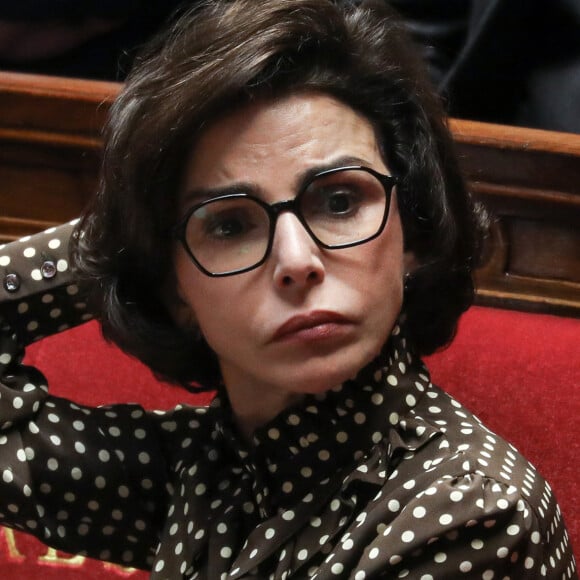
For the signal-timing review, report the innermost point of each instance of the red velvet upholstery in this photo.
(520, 373)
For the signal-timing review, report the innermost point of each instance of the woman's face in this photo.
(308, 318)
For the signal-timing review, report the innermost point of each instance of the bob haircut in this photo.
(219, 56)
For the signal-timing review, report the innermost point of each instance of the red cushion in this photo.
(518, 372)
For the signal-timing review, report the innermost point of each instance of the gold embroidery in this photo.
(122, 571)
(13, 552)
(52, 557)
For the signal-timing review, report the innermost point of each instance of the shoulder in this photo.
(459, 499)
(476, 448)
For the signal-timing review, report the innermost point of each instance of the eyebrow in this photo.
(201, 194)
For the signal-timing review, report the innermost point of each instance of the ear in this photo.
(410, 262)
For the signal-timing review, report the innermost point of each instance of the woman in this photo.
(281, 218)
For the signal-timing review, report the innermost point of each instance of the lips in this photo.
(313, 320)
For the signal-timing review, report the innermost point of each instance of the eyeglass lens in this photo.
(338, 209)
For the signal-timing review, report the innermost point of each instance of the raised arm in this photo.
(90, 481)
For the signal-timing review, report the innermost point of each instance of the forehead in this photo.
(271, 141)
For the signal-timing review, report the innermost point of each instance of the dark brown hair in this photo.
(219, 56)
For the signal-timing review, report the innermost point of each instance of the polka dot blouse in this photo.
(384, 477)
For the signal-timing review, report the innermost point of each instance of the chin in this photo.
(331, 374)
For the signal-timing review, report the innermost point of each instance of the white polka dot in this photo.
(477, 544)
(419, 512)
(393, 505)
(222, 528)
(54, 244)
(377, 399)
(465, 566)
(373, 554)
(407, 536)
(502, 504)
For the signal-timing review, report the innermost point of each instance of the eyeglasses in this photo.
(339, 208)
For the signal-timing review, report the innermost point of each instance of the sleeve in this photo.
(89, 481)
(38, 292)
(472, 526)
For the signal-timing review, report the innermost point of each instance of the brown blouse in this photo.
(384, 477)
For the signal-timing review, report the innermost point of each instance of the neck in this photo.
(251, 412)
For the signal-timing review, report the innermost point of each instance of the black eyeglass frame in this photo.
(273, 210)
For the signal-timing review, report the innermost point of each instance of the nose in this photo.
(297, 258)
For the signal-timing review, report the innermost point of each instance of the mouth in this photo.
(316, 325)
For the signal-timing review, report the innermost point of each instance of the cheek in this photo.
(188, 291)
(385, 263)
(211, 304)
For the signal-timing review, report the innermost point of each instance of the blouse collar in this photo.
(328, 433)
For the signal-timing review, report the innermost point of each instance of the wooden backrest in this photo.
(50, 148)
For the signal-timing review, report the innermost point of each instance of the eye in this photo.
(332, 201)
(227, 220)
(339, 202)
(227, 224)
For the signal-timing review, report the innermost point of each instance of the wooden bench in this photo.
(49, 155)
